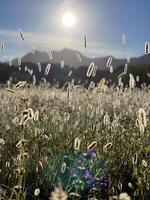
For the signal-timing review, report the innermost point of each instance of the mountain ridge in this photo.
(75, 59)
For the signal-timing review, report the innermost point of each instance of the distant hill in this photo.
(74, 69)
(70, 59)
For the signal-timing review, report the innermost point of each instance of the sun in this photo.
(69, 19)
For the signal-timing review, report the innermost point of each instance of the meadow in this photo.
(74, 143)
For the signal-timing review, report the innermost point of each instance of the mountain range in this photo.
(75, 59)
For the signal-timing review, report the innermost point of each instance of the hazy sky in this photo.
(103, 21)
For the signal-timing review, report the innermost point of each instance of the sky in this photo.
(103, 22)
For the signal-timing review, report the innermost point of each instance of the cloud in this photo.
(8, 33)
(15, 47)
(37, 39)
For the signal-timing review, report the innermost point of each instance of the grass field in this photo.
(74, 143)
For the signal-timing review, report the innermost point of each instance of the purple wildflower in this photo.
(104, 182)
(92, 154)
(80, 159)
(74, 172)
(89, 178)
(88, 175)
